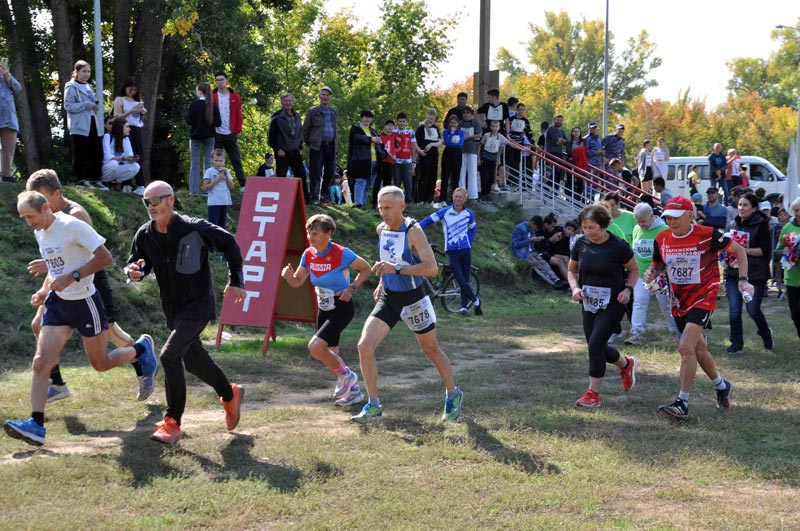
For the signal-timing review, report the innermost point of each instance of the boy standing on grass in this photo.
(405, 257)
(218, 182)
(73, 252)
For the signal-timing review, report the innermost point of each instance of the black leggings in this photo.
(183, 348)
(793, 296)
(598, 327)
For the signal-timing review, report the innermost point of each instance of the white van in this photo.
(761, 172)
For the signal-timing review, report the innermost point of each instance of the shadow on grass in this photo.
(483, 440)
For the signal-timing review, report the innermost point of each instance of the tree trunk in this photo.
(62, 32)
(122, 45)
(33, 84)
(30, 141)
(148, 33)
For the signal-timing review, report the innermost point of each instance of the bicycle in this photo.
(445, 287)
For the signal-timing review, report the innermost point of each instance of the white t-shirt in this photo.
(220, 194)
(68, 244)
(224, 104)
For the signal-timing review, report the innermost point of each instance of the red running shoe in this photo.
(629, 373)
(233, 408)
(590, 399)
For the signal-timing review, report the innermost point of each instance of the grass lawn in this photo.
(522, 457)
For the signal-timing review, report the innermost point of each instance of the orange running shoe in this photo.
(590, 399)
(167, 431)
(233, 408)
(629, 374)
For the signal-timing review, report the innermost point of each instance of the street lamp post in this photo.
(605, 78)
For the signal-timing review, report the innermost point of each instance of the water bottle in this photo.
(746, 297)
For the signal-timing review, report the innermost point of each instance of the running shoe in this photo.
(769, 342)
(478, 308)
(452, 406)
(368, 414)
(353, 397)
(233, 408)
(85, 184)
(167, 431)
(26, 430)
(734, 349)
(678, 409)
(344, 383)
(147, 359)
(590, 399)
(464, 312)
(629, 373)
(724, 396)
(57, 392)
(145, 387)
(139, 190)
(98, 185)
(613, 338)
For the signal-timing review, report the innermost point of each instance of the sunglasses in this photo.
(154, 201)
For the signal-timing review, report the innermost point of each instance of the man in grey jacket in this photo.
(320, 135)
(285, 137)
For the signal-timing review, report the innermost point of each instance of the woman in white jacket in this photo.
(119, 162)
(81, 105)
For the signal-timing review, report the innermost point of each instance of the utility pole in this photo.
(483, 54)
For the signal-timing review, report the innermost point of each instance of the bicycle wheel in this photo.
(475, 283)
(451, 295)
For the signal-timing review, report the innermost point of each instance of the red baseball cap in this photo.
(678, 206)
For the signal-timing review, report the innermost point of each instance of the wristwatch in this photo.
(397, 268)
(76, 276)
(744, 278)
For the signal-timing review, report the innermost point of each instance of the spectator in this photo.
(128, 104)
(694, 181)
(661, 189)
(84, 128)
(405, 142)
(203, 117)
(285, 137)
(348, 198)
(383, 175)
(614, 145)
(519, 132)
(576, 155)
(788, 248)
(543, 127)
(471, 128)
(660, 159)
(336, 190)
(362, 154)
(717, 164)
(231, 120)
(457, 111)
(699, 214)
(267, 169)
(321, 137)
(644, 164)
(594, 153)
(218, 182)
(744, 180)
(524, 245)
(9, 126)
(451, 157)
(716, 215)
(554, 141)
(119, 163)
(428, 141)
(619, 170)
(494, 109)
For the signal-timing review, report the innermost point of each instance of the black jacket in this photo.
(759, 236)
(285, 131)
(179, 259)
(196, 117)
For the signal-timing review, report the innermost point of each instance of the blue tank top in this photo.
(394, 248)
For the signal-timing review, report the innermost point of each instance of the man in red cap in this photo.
(689, 253)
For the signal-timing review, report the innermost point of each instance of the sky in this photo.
(693, 38)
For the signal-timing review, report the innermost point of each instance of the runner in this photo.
(688, 253)
(73, 252)
(598, 279)
(405, 256)
(459, 234)
(175, 247)
(327, 265)
(46, 182)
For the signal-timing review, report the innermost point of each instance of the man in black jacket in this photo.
(285, 137)
(175, 247)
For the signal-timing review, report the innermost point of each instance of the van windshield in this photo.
(764, 173)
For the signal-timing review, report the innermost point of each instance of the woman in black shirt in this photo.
(598, 279)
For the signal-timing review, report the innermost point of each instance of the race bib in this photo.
(420, 315)
(517, 126)
(468, 131)
(455, 139)
(684, 269)
(325, 300)
(492, 145)
(595, 298)
(643, 248)
(431, 134)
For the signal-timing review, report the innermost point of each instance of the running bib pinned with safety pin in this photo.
(683, 269)
(420, 315)
(595, 298)
(325, 299)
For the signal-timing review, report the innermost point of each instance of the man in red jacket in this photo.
(230, 110)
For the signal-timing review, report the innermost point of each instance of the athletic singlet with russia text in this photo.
(394, 248)
(692, 266)
(329, 269)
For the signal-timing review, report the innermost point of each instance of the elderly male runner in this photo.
(73, 252)
(689, 253)
(46, 182)
(175, 247)
(405, 257)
